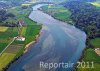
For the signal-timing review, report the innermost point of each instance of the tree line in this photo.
(4, 15)
(85, 16)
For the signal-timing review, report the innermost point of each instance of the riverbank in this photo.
(27, 47)
(88, 53)
(58, 12)
(29, 31)
(51, 45)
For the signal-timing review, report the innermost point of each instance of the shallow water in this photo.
(59, 42)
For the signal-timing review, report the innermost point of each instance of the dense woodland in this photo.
(6, 18)
(85, 16)
(4, 5)
(13, 2)
(4, 15)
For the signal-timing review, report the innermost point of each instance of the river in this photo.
(59, 42)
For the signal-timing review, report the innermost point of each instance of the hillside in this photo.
(86, 16)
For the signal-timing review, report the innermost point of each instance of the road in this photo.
(7, 46)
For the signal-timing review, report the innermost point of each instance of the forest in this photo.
(85, 16)
(4, 15)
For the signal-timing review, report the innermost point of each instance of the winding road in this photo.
(59, 42)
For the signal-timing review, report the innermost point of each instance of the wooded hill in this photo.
(85, 16)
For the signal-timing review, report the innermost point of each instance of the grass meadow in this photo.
(29, 31)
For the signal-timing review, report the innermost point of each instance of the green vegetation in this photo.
(2, 46)
(26, 4)
(6, 36)
(96, 4)
(96, 42)
(6, 18)
(92, 30)
(19, 12)
(90, 56)
(16, 49)
(58, 12)
(5, 59)
(86, 17)
(3, 29)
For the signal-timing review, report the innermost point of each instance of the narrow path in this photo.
(7, 46)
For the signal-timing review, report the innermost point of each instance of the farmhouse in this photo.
(97, 50)
(20, 38)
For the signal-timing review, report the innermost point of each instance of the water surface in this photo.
(59, 42)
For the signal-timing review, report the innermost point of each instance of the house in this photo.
(19, 38)
(97, 50)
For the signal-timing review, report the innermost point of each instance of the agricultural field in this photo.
(6, 36)
(22, 14)
(96, 42)
(3, 29)
(89, 54)
(9, 54)
(29, 31)
(25, 4)
(19, 12)
(5, 59)
(58, 12)
(96, 4)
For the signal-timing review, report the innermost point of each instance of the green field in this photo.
(19, 12)
(6, 36)
(22, 14)
(29, 31)
(3, 29)
(5, 59)
(58, 12)
(96, 42)
(96, 4)
(90, 56)
(26, 4)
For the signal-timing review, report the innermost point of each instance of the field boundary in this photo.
(7, 46)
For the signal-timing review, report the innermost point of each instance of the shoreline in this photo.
(29, 45)
(82, 55)
(80, 59)
(26, 47)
